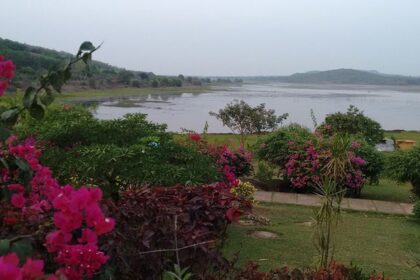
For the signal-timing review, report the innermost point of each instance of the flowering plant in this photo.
(61, 222)
(309, 162)
(39, 216)
(7, 72)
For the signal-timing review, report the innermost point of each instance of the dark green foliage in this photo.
(264, 172)
(37, 98)
(416, 210)
(375, 161)
(32, 61)
(274, 147)
(244, 119)
(353, 122)
(115, 153)
(404, 166)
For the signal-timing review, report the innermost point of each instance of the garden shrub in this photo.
(374, 161)
(404, 166)
(233, 164)
(146, 222)
(274, 148)
(59, 225)
(335, 271)
(264, 172)
(353, 122)
(416, 210)
(302, 156)
(244, 191)
(116, 153)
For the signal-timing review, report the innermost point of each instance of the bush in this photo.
(334, 157)
(116, 153)
(43, 219)
(334, 271)
(264, 172)
(374, 161)
(416, 210)
(153, 219)
(274, 148)
(244, 191)
(404, 166)
(353, 122)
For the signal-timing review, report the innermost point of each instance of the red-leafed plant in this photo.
(334, 271)
(160, 226)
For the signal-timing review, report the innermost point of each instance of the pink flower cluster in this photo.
(7, 72)
(31, 270)
(76, 213)
(194, 137)
(233, 164)
(305, 165)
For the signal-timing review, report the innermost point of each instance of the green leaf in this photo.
(23, 165)
(29, 97)
(57, 80)
(4, 162)
(23, 248)
(4, 246)
(85, 47)
(87, 57)
(47, 98)
(37, 111)
(67, 73)
(10, 116)
(4, 133)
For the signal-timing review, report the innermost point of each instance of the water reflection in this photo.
(392, 107)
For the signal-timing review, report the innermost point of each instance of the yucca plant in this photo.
(326, 220)
(327, 216)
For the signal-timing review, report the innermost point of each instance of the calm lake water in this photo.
(393, 108)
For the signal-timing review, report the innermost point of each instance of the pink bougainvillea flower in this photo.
(7, 69)
(55, 240)
(3, 86)
(104, 226)
(16, 188)
(9, 269)
(33, 269)
(233, 214)
(88, 237)
(18, 200)
(195, 137)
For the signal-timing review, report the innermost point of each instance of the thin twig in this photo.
(172, 250)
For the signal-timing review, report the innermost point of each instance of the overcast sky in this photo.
(226, 37)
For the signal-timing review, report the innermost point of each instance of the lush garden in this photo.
(83, 198)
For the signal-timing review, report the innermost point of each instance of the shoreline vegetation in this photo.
(101, 94)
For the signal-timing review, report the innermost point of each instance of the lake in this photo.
(393, 107)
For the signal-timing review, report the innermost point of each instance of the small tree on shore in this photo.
(244, 119)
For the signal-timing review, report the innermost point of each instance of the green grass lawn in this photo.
(232, 140)
(406, 135)
(130, 91)
(388, 190)
(372, 241)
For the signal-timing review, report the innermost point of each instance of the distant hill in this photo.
(32, 61)
(346, 76)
